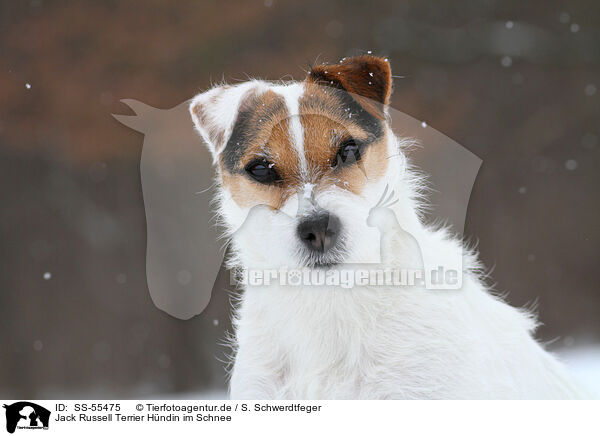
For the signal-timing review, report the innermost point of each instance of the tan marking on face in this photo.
(269, 140)
(371, 167)
(247, 193)
(326, 126)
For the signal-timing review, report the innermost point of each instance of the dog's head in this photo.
(301, 164)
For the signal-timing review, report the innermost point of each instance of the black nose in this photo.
(319, 233)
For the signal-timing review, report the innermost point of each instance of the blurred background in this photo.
(517, 83)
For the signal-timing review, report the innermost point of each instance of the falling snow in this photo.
(574, 27)
(509, 24)
(506, 61)
(28, 85)
(590, 89)
(38, 345)
(571, 164)
(47, 276)
(423, 124)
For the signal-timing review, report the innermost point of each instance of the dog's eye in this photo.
(263, 172)
(348, 153)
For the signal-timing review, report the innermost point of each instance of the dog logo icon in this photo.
(26, 415)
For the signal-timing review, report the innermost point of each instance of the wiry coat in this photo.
(371, 342)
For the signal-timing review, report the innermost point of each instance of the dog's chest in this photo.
(327, 343)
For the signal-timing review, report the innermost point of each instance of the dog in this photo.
(301, 166)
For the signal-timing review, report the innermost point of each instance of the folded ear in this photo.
(215, 111)
(367, 78)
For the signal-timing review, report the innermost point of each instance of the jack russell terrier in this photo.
(310, 175)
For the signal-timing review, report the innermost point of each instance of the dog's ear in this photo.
(368, 79)
(215, 111)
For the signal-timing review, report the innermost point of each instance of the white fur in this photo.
(292, 94)
(373, 342)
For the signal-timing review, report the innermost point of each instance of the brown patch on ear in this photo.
(367, 78)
